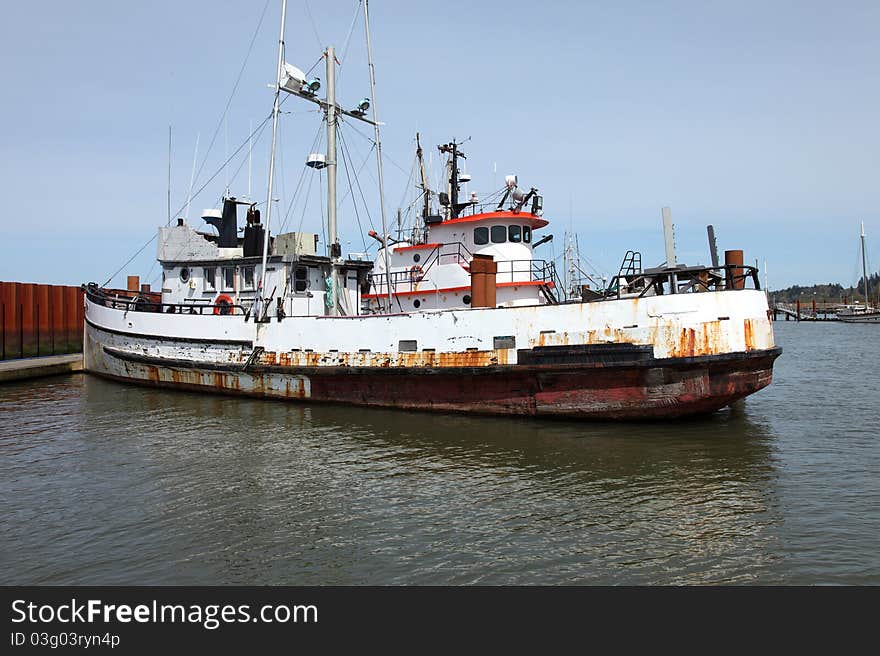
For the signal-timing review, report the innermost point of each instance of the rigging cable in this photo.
(345, 158)
(314, 26)
(202, 188)
(234, 89)
(372, 141)
(315, 144)
(347, 42)
(357, 181)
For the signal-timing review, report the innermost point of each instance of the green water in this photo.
(104, 483)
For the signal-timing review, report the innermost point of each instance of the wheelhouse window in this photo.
(499, 234)
(514, 234)
(229, 278)
(481, 236)
(527, 234)
(210, 277)
(247, 277)
(300, 279)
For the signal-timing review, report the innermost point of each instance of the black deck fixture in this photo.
(227, 224)
(254, 234)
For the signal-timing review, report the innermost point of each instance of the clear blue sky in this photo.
(758, 117)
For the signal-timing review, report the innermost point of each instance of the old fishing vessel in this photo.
(457, 315)
(855, 313)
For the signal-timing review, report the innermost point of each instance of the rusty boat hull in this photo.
(639, 358)
(562, 382)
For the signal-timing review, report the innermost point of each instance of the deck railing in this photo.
(135, 302)
(681, 280)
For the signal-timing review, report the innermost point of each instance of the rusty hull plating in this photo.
(672, 366)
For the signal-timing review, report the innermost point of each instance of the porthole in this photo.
(184, 274)
(467, 299)
(417, 303)
(416, 257)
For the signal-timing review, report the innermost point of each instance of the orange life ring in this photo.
(223, 304)
(416, 273)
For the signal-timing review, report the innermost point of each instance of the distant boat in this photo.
(860, 313)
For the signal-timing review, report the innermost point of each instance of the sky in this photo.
(760, 118)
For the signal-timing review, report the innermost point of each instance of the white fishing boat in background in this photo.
(855, 312)
(457, 315)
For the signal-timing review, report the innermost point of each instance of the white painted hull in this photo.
(871, 317)
(656, 356)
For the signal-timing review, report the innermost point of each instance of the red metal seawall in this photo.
(39, 320)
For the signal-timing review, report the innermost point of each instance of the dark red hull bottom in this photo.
(673, 387)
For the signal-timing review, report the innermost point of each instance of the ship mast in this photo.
(378, 148)
(334, 245)
(452, 181)
(425, 191)
(260, 306)
(294, 83)
(864, 267)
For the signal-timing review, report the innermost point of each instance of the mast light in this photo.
(362, 107)
(317, 161)
(311, 87)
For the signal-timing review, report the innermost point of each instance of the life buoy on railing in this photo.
(416, 273)
(223, 304)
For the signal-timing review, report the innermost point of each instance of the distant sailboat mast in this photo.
(864, 267)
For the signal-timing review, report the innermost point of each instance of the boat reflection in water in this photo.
(235, 490)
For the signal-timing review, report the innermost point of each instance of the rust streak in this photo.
(749, 331)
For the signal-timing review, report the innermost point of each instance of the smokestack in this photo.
(227, 224)
(735, 278)
(483, 270)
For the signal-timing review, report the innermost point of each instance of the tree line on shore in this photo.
(830, 292)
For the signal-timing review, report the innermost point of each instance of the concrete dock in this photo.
(51, 365)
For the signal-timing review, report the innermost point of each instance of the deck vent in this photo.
(505, 342)
(408, 346)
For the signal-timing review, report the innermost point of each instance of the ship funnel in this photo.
(226, 223)
(483, 272)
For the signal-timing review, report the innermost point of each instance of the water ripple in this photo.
(113, 484)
